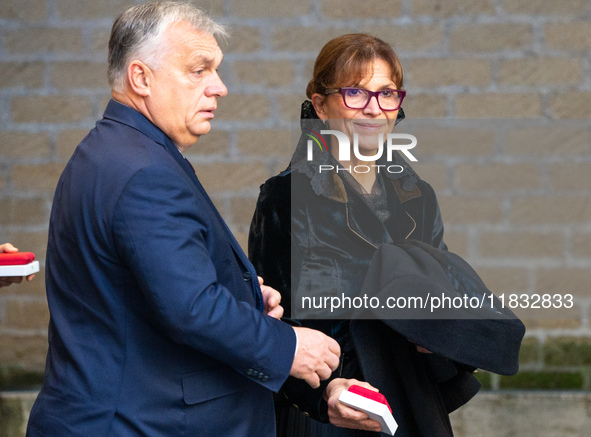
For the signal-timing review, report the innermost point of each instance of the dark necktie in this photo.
(190, 165)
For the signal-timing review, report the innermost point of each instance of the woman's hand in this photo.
(6, 281)
(343, 416)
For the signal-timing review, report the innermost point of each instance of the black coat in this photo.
(332, 235)
(472, 327)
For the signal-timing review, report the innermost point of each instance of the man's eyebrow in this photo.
(206, 62)
(202, 58)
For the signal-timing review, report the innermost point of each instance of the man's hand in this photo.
(7, 280)
(272, 299)
(343, 416)
(316, 358)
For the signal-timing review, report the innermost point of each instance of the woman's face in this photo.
(368, 122)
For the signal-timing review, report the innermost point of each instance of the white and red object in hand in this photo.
(18, 264)
(372, 403)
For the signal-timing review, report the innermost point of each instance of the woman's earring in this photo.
(325, 123)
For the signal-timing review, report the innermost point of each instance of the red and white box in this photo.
(18, 264)
(372, 403)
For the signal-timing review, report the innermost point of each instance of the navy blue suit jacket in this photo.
(156, 322)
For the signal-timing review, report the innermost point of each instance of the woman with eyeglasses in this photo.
(330, 210)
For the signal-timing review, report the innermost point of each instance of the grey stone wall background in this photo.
(515, 197)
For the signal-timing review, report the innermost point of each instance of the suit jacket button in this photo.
(250, 372)
(247, 276)
(264, 378)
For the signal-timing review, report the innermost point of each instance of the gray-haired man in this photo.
(159, 325)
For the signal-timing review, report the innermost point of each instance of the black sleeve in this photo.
(433, 215)
(271, 249)
(269, 239)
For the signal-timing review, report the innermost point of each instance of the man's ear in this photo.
(318, 103)
(139, 76)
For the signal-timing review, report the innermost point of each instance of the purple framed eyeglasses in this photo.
(358, 98)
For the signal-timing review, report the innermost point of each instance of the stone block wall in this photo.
(514, 191)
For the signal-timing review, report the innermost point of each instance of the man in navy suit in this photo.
(159, 326)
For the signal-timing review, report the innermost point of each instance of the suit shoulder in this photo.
(122, 147)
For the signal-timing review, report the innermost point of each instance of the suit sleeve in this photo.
(161, 230)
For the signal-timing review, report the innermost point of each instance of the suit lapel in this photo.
(188, 169)
(130, 117)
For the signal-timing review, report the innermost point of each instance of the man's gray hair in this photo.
(138, 35)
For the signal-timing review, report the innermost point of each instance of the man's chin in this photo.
(203, 128)
(189, 139)
(198, 133)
